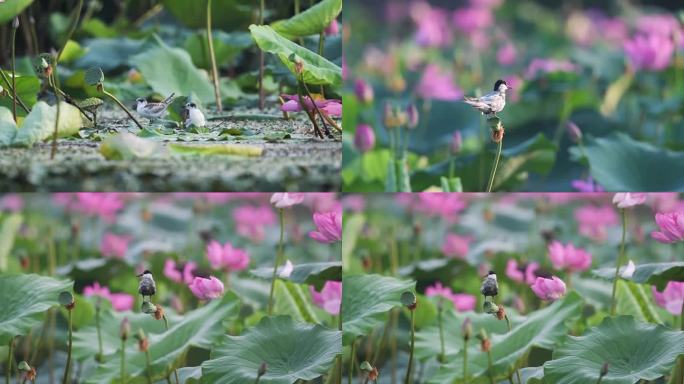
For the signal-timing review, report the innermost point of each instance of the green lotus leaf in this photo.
(227, 47)
(199, 328)
(8, 231)
(366, 299)
(39, 125)
(310, 22)
(225, 14)
(27, 88)
(12, 8)
(544, 328)
(658, 274)
(317, 69)
(315, 274)
(292, 299)
(633, 350)
(25, 298)
(635, 299)
(292, 351)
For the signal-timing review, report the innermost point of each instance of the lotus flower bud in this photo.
(574, 132)
(604, 369)
(262, 369)
(364, 138)
(467, 329)
(412, 116)
(456, 142)
(489, 307)
(15, 23)
(364, 91)
(143, 343)
(125, 329)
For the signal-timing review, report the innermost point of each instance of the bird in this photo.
(491, 103)
(152, 110)
(489, 286)
(194, 117)
(147, 287)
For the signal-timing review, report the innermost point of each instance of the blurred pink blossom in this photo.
(662, 24)
(456, 246)
(445, 205)
(671, 298)
(286, 200)
(364, 91)
(549, 289)
(587, 186)
(113, 245)
(11, 202)
(462, 302)
(438, 84)
(651, 52)
(507, 54)
(226, 257)
(364, 138)
(330, 107)
(568, 258)
(206, 288)
(322, 201)
(486, 3)
(181, 272)
(333, 29)
(120, 301)
(628, 200)
(516, 84)
(594, 221)
(328, 226)
(543, 65)
(355, 203)
(433, 29)
(251, 221)
(522, 273)
(472, 19)
(103, 205)
(671, 227)
(329, 298)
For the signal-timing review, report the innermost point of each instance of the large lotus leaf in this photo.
(366, 299)
(310, 22)
(620, 163)
(8, 233)
(27, 89)
(85, 340)
(24, 299)
(227, 46)
(199, 328)
(110, 54)
(317, 69)
(351, 228)
(543, 328)
(8, 129)
(225, 14)
(292, 351)
(170, 70)
(635, 299)
(292, 299)
(11, 8)
(426, 347)
(658, 274)
(633, 351)
(39, 125)
(315, 274)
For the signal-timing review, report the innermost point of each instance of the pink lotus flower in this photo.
(330, 107)
(549, 289)
(586, 186)
(333, 29)
(438, 85)
(456, 142)
(671, 227)
(251, 221)
(543, 66)
(286, 200)
(226, 257)
(456, 246)
(181, 272)
(329, 298)
(206, 288)
(328, 226)
(363, 91)
(432, 24)
(445, 205)
(364, 138)
(103, 205)
(671, 298)
(660, 24)
(651, 52)
(507, 54)
(567, 257)
(627, 200)
(113, 245)
(522, 273)
(473, 19)
(120, 301)
(462, 302)
(594, 221)
(11, 202)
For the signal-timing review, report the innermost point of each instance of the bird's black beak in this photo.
(140, 275)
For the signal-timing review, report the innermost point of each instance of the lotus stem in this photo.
(409, 378)
(296, 7)
(99, 332)
(321, 45)
(352, 355)
(465, 359)
(67, 368)
(9, 86)
(261, 60)
(496, 164)
(53, 151)
(121, 106)
(10, 357)
(72, 29)
(214, 70)
(442, 355)
(490, 369)
(613, 304)
(147, 366)
(123, 361)
(281, 217)
(175, 371)
(15, 26)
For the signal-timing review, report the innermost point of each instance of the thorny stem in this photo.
(496, 164)
(120, 106)
(65, 379)
(261, 60)
(409, 378)
(214, 70)
(175, 371)
(517, 372)
(123, 361)
(281, 216)
(53, 152)
(14, 75)
(619, 261)
(10, 357)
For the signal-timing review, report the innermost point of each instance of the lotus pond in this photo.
(590, 288)
(239, 80)
(248, 288)
(596, 101)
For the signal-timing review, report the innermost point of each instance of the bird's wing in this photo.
(155, 108)
(490, 97)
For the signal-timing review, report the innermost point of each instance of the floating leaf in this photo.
(317, 69)
(25, 298)
(316, 274)
(127, 146)
(39, 125)
(633, 350)
(291, 351)
(217, 149)
(366, 299)
(310, 22)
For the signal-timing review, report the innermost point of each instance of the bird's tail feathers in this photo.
(169, 99)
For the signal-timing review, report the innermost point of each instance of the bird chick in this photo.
(491, 103)
(152, 110)
(194, 117)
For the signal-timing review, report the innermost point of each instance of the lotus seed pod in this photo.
(125, 329)
(489, 307)
(366, 367)
(409, 299)
(67, 300)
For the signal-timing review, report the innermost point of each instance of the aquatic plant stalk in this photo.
(98, 358)
(409, 370)
(613, 304)
(465, 359)
(123, 107)
(281, 216)
(261, 60)
(15, 26)
(490, 369)
(10, 357)
(53, 151)
(214, 70)
(148, 371)
(123, 361)
(442, 355)
(350, 374)
(8, 84)
(496, 164)
(67, 368)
